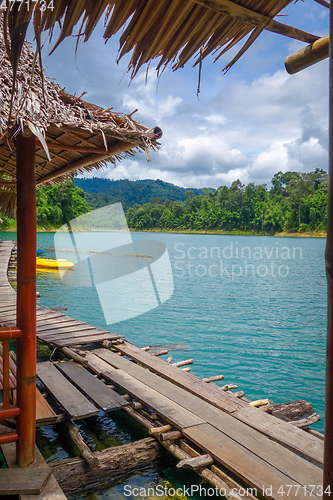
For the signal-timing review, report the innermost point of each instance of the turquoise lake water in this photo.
(260, 323)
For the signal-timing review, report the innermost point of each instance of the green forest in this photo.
(295, 203)
(56, 205)
(101, 192)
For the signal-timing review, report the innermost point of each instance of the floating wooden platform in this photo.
(259, 449)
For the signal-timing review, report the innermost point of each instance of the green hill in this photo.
(101, 192)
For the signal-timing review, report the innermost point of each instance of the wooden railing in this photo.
(7, 410)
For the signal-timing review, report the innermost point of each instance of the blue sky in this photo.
(247, 124)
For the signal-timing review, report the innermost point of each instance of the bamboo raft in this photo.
(229, 441)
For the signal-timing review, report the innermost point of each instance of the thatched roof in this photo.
(73, 135)
(171, 30)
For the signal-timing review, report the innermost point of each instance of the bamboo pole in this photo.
(307, 56)
(328, 442)
(26, 297)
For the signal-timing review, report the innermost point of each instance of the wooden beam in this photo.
(248, 16)
(118, 148)
(307, 56)
(69, 147)
(324, 3)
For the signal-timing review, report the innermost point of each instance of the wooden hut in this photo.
(173, 31)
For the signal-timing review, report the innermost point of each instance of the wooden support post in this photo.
(328, 443)
(215, 378)
(169, 436)
(153, 431)
(160, 353)
(183, 363)
(26, 297)
(228, 387)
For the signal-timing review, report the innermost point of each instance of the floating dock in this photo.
(222, 436)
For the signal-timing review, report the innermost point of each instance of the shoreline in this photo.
(211, 232)
(284, 234)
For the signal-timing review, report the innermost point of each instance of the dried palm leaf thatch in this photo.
(73, 135)
(171, 30)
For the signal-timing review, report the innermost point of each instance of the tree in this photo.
(189, 194)
(157, 200)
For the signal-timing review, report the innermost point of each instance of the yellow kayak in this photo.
(54, 263)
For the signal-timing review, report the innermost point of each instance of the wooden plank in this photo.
(44, 413)
(171, 411)
(48, 314)
(278, 430)
(11, 306)
(301, 471)
(305, 444)
(61, 319)
(74, 403)
(51, 490)
(23, 481)
(67, 332)
(84, 340)
(62, 335)
(44, 327)
(104, 397)
(244, 464)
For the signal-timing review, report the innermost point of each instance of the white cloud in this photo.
(248, 130)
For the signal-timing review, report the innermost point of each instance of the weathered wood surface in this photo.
(23, 481)
(293, 438)
(244, 464)
(172, 412)
(82, 340)
(73, 401)
(51, 490)
(82, 331)
(276, 455)
(104, 397)
(45, 415)
(74, 475)
(185, 380)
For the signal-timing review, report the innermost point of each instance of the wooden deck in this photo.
(259, 449)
